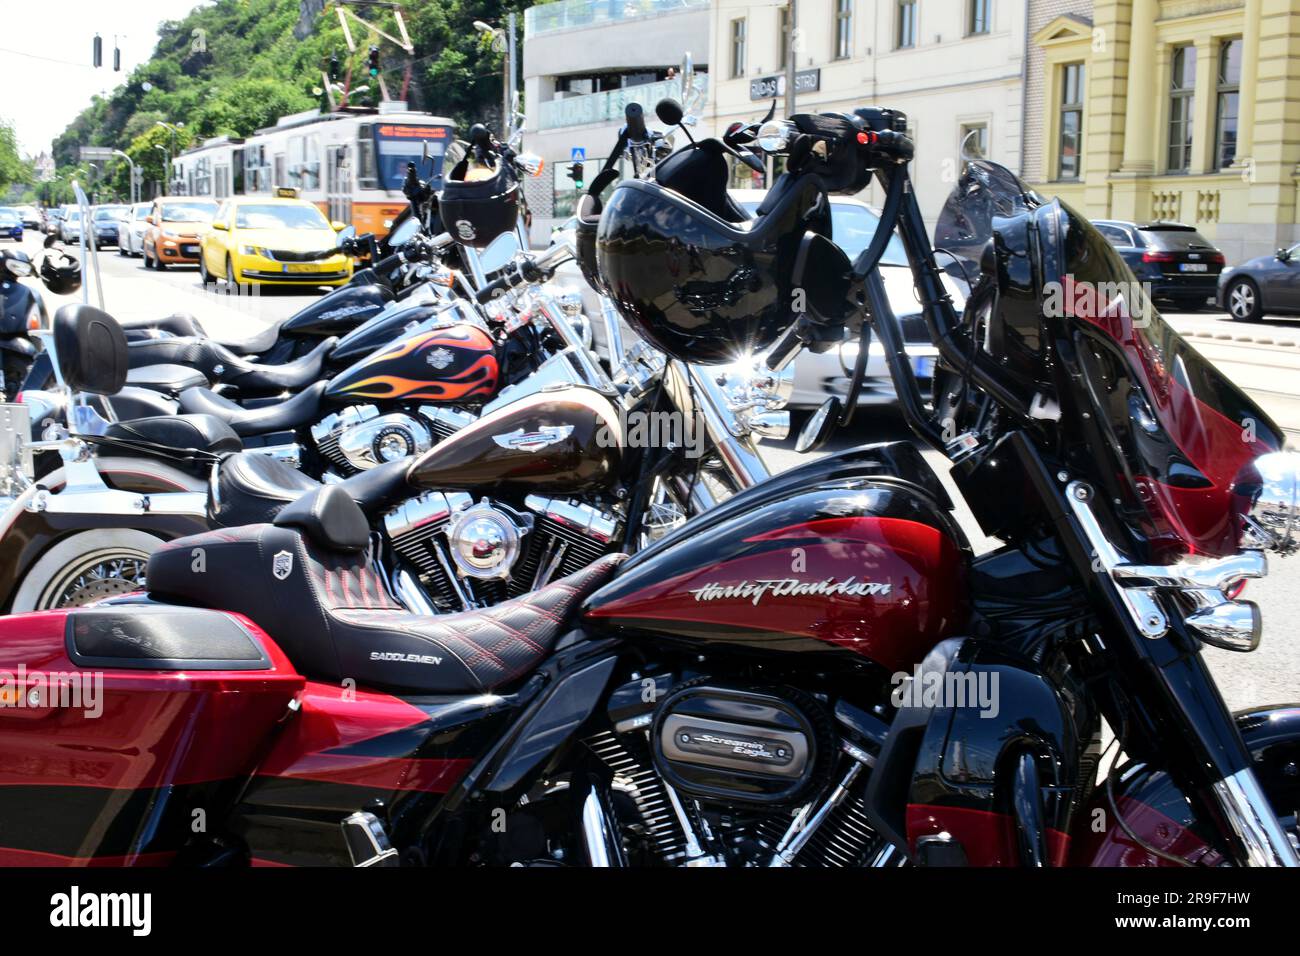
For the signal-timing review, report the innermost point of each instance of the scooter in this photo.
(22, 312)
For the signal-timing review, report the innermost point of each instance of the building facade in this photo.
(583, 61)
(1170, 109)
(956, 67)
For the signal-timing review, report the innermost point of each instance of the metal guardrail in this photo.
(572, 14)
(608, 106)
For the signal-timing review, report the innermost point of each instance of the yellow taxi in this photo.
(272, 240)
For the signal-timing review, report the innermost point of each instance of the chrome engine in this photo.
(359, 437)
(470, 554)
(713, 773)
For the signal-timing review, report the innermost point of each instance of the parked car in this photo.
(819, 376)
(106, 220)
(31, 216)
(70, 224)
(53, 218)
(175, 224)
(11, 224)
(273, 240)
(1261, 285)
(1179, 264)
(131, 230)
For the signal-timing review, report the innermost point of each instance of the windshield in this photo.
(397, 144)
(279, 217)
(8, 215)
(140, 212)
(110, 212)
(188, 211)
(985, 190)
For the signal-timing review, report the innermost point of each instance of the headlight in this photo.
(250, 250)
(19, 268)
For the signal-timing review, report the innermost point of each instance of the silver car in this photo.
(70, 224)
(130, 231)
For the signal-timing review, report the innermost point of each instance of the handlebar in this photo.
(528, 270)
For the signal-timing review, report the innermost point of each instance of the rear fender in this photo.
(26, 534)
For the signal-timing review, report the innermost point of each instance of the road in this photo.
(1260, 357)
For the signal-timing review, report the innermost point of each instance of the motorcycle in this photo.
(22, 312)
(772, 683)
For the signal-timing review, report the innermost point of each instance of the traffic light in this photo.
(575, 173)
(117, 59)
(374, 61)
(97, 56)
(334, 66)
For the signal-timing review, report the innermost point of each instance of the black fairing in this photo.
(16, 301)
(696, 286)
(338, 312)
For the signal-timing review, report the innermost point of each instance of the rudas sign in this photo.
(766, 87)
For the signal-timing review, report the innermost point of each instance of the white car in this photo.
(70, 224)
(131, 230)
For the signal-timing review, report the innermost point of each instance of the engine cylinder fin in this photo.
(641, 784)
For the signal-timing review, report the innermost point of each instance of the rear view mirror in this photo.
(221, 225)
(819, 427)
(52, 240)
(499, 253)
(404, 233)
(1282, 255)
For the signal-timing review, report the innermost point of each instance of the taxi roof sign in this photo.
(286, 192)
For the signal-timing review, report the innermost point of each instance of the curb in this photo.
(1245, 338)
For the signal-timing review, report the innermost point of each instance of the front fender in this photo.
(1162, 814)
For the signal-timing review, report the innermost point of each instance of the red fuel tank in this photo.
(849, 567)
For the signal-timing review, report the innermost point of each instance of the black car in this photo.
(1264, 284)
(1179, 264)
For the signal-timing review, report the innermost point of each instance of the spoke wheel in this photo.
(97, 576)
(1243, 302)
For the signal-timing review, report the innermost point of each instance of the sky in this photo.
(45, 57)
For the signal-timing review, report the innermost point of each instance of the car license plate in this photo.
(923, 367)
(190, 251)
(1194, 267)
(299, 267)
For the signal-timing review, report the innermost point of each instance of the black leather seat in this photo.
(308, 581)
(252, 488)
(178, 323)
(290, 375)
(179, 433)
(168, 379)
(283, 416)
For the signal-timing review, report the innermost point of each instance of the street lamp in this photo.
(133, 192)
(167, 166)
(503, 41)
(174, 130)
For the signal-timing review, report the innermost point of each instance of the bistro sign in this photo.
(766, 87)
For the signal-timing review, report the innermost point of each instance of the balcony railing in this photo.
(608, 106)
(572, 14)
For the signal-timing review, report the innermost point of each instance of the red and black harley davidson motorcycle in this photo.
(778, 682)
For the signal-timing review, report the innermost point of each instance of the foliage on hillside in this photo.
(237, 65)
(14, 170)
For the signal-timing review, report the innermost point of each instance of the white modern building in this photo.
(583, 61)
(955, 67)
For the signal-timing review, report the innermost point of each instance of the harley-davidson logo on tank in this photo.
(882, 587)
(456, 364)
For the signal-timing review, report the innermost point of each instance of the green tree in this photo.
(14, 170)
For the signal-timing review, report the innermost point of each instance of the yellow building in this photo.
(1170, 109)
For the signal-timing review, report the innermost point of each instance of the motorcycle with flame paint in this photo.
(730, 695)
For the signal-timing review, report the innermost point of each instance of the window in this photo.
(367, 178)
(1071, 119)
(738, 47)
(304, 162)
(977, 16)
(257, 172)
(1225, 111)
(843, 29)
(201, 182)
(1182, 82)
(974, 140)
(783, 55)
(906, 33)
